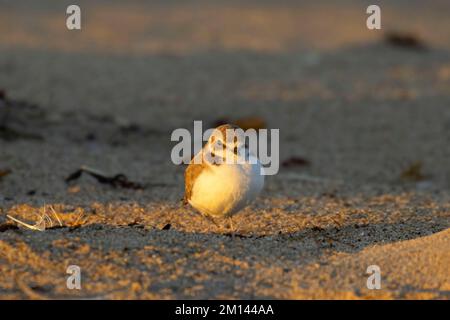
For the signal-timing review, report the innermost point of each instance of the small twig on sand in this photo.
(43, 222)
(78, 218)
(56, 215)
(39, 226)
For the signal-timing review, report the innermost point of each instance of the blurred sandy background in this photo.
(369, 117)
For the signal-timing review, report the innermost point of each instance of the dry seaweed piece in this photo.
(245, 123)
(404, 40)
(4, 172)
(256, 123)
(118, 180)
(295, 162)
(413, 172)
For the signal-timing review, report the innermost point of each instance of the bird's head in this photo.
(226, 144)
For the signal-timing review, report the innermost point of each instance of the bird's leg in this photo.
(211, 219)
(232, 231)
(208, 217)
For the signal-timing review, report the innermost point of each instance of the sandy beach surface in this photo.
(368, 120)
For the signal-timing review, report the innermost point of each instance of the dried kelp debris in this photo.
(413, 172)
(116, 181)
(244, 123)
(295, 162)
(404, 40)
(4, 172)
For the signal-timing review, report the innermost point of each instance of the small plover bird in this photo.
(218, 189)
